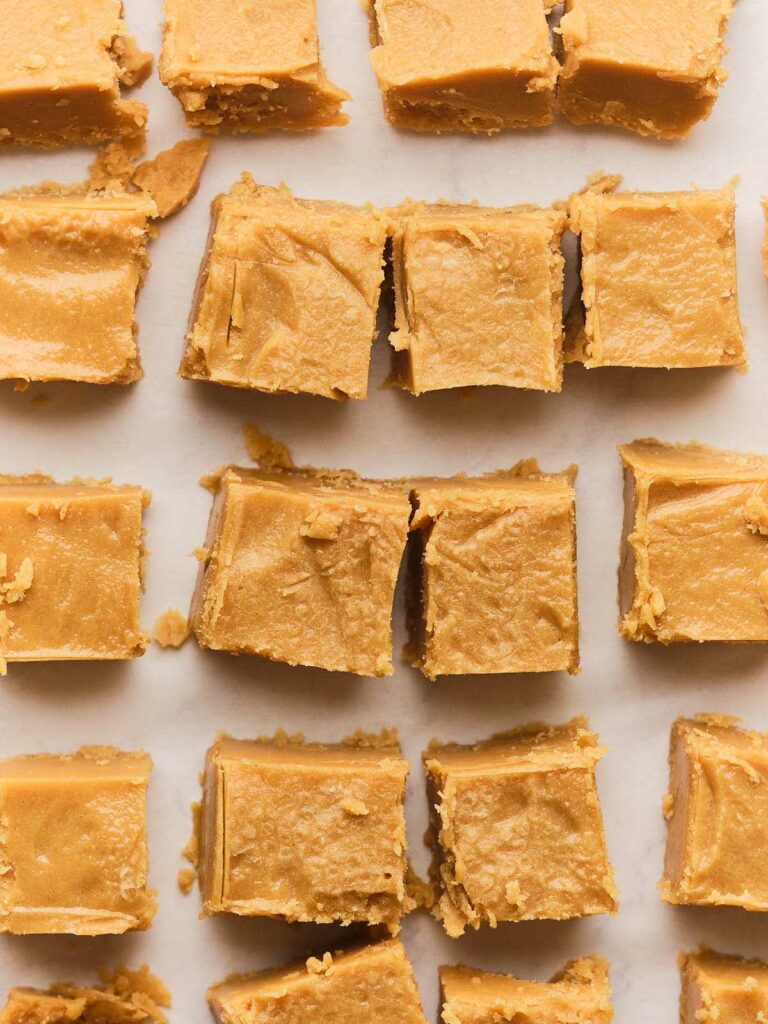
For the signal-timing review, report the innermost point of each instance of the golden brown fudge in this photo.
(493, 573)
(579, 994)
(717, 811)
(125, 997)
(479, 296)
(694, 563)
(369, 985)
(301, 567)
(71, 265)
(517, 833)
(720, 989)
(61, 67)
(463, 65)
(650, 66)
(248, 67)
(70, 570)
(73, 849)
(335, 854)
(658, 277)
(287, 294)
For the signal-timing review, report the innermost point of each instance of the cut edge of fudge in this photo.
(697, 1005)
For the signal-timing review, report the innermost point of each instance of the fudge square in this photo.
(578, 993)
(658, 278)
(71, 558)
(463, 65)
(478, 297)
(301, 567)
(650, 66)
(717, 813)
(517, 833)
(728, 989)
(694, 563)
(61, 67)
(493, 573)
(88, 253)
(336, 854)
(248, 67)
(73, 849)
(368, 985)
(288, 294)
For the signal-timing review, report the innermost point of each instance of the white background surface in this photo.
(164, 433)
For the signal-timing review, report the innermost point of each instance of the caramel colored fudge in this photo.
(650, 66)
(70, 570)
(336, 853)
(463, 65)
(287, 295)
(658, 277)
(517, 833)
(71, 266)
(61, 67)
(301, 567)
(479, 296)
(719, 989)
(73, 848)
(248, 67)
(493, 573)
(579, 994)
(694, 563)
(369, 985)
(717, 813)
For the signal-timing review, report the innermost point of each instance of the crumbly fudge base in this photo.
(70, 117)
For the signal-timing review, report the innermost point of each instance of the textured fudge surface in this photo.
(719, 988)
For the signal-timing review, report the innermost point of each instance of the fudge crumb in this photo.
(173, 176)
(355, 808)
(513, 894)
(135, 63)
(20, 385)
(15, 590)
(667, 806)
(112, 167)
(33, 509)
(186, 878)
(269, 453)
(324, 966)
(171, 628)
(321, 525)
(201, 554)
(749, 984)
(140, 989)
(756, 515)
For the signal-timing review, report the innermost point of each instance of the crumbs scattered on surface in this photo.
(355, 808)
(186, 878)
(269, 453)
(171, 628)
(324, 966)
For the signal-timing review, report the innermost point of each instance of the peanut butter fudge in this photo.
(369, 985)
(287, 295)
(71, 265)
(463, 65)
(720, 989)
(301, 567)
(517, 833)
(70, 570)
(248, 67)
(717, 812)
(61, 67)
(493, 573)
(658, 277)
(694, 563)
(579, 994)
(73, 849)
(479, 296)
(335, 854)
(650, 66)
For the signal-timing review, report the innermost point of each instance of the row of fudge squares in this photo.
(289, 290)
(300, 566)
(316, 832)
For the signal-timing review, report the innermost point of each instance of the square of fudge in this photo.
(517, 832)
(337, 854)
(124, 996)
(287, 295)
(463, 65)
(73, 848)
(89, 251)
(248, 67)
(71, 564)
(301, 567)
(368, 985)
(493, 573)
(649, 66)
(717, 815)
(658, 277)
(478, 297)
(580, 992)
(61, 67)
(694, 562)
(728, 989)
